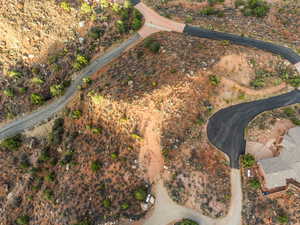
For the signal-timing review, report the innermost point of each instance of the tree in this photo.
(95, 166)
(23, 220)
(254, 183)
(12, 143)
(140, 194)
(248, 161)
(283, 219)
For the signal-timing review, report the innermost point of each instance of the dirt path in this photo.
(150, 154)
(263, 92)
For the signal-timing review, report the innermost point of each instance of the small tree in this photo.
(187, 222)
(106, 203)
(56, 90)
(37, 99)
(76, 114)
(80, 62)
(23, 220)
(96, 166)
(248, 161)
(65, 5)
(12, 143)
(14, 74)
(140, 194)
(9, 92)
(254, 183)
(283, 219)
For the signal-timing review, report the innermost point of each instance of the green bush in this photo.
(37, 80)
(56, 90)
(50, 177)
(12, 143)
(57, 131)
(36, 99)
(254, 183)
(96, 166)
(258, 8)
(140, 194)
(213, 2)
(106, 203)
(121, 26)
(208, 11)
(248, 161)
(296, 121)
(239, 3)
(258, 83)
(214, 80)
(136, 24)
(22, 90)
(127, 4)
(114, 155)
(23, 220)
(66, 6)
(152, 45)
(187, 222)
(124, 206)
(283, 219)
(9, 92)
(48, 194)
(86, 8)
(80, 62)
(95, 32)
(76, 114)
(85, 222)
(289, 112)
(14, 74)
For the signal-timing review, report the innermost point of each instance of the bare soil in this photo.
(138, 108)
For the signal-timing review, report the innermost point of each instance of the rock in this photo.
(81, 40)
(81, 24)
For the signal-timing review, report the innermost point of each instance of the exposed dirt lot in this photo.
(281, 25)
(141, 106)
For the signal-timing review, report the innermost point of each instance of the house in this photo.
(286, 166)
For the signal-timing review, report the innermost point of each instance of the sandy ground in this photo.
(150, 156)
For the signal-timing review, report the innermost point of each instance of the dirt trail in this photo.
(263, 92)
(150, 155)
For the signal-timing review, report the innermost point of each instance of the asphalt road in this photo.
(44, 113)
(285, 52)
(226, 127)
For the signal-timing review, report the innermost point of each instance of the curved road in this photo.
(44, 113)
(225, 128)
